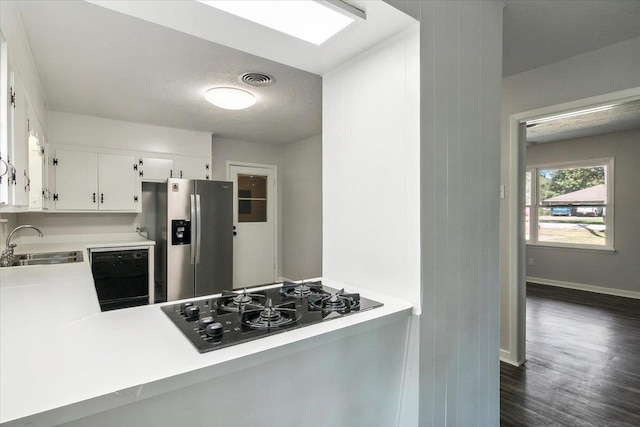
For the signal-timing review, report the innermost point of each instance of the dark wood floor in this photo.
(583, 362)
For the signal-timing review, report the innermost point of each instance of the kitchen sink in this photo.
(44, 258)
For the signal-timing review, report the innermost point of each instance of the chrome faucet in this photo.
(7, 255)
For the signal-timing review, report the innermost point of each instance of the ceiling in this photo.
(113, 60)
(152, 61)
(540, 32)
(620, 118)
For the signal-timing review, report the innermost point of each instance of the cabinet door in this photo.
(155, 170)
(118, 182)
(76, 176)
(37, 163)
(18, 153)
(5, 108)
(192, 168)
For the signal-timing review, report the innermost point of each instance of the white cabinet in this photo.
(19, 152)
(153, 169)
(76, 174)
(117, 182)
(38, 155)
(88, 181)
(192, 167)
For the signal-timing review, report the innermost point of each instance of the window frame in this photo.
(535, 204)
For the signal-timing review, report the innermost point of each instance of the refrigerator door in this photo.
(214, 250)
(180, 239)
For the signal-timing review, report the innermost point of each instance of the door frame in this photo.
(516, 269)
(276, 211)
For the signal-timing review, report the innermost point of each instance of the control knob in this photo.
(205, 321)
(214, 329)
(192, 311)
(184, 305)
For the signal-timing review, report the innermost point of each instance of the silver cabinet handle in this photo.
(198, 228)
(194, 224)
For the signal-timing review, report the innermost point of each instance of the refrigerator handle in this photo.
(198, 228)
(194, 226)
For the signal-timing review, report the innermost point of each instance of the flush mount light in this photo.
(312, 21)
(230, 98)
(531, 123)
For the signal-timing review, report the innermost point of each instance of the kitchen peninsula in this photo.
(64, 361)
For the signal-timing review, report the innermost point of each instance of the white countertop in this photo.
(63, 359)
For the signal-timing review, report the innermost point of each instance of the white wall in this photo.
(371, 183)
(619, 271)
(371, 169)
(460, 51)
(75, 129)
(301, 187)
(602, 71)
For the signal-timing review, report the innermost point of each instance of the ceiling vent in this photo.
(257, 79)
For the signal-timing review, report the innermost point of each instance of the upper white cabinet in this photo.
(89, 181)
(38, 155)
(192, 167)
(19, 154)
(153, 169)
(118, 183)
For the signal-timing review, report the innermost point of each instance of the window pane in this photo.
(527, 189)
(252, 186)
(559, 225)
(527, 223)
(252, 211)
(572, 186)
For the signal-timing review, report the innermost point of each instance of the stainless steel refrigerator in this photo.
(198, 226)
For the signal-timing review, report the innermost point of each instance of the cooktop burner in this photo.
(236, 302)
(301, 290)
(237, 317)
(338, 301)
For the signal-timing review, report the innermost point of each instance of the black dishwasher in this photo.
(121, 277)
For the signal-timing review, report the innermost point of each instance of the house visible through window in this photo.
(570, 204)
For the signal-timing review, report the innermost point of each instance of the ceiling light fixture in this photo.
(309, 20)
(571, 114)
(230, 98)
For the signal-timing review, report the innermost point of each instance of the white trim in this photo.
(587, 288)
(505, 356)
(516, 269)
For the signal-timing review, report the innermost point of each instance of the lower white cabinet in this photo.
(88, 181)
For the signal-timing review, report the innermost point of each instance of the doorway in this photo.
(516, 270)
(255, 223)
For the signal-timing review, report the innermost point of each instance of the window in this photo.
(570, 205)
(252, 198)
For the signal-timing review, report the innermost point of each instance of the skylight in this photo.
(309, 20)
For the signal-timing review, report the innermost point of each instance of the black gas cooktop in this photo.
(241, 316)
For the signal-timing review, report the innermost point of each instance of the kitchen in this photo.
(375, 261)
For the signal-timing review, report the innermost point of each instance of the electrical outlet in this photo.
(530, 261)
(137, 226)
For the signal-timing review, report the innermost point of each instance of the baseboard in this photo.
(587, 288)
(505, 356)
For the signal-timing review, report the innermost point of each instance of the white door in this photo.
(254, 216)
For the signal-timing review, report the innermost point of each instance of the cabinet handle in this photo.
(101, 197)
(94, 197)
